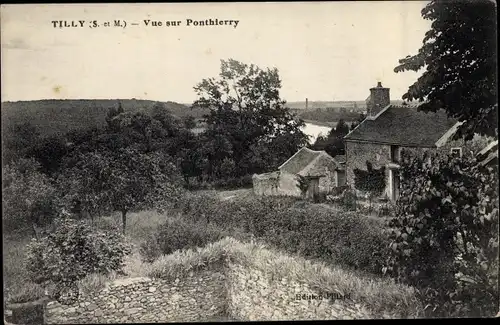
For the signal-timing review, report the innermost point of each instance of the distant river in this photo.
(310, 129)
(314, 130)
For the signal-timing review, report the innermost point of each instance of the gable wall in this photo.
(326, 167)
(288, 184)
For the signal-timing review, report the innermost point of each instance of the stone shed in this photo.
(324, 172)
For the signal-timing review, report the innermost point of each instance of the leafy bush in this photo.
(371, 180)
(72, 251)
(28, 196)
(444, 237)
(178, 234)
(348, 200)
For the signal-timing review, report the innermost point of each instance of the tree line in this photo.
(140, 161)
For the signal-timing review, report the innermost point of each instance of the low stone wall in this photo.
(255, 295)
(197, 297)
(237, 281)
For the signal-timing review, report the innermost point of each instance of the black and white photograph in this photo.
(249, 161)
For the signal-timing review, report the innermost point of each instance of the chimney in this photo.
(379, 99)
(307, 103)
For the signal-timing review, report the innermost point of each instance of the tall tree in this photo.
(459, 54)
(246, 109)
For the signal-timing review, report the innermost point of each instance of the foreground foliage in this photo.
(444, 237)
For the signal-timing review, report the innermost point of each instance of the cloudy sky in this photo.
(323, 51)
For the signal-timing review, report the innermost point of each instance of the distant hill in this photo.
(53, 116)
(361, 104)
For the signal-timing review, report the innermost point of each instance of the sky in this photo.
(323, 50)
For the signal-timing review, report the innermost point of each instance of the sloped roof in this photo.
(403, 125)
(300, 160)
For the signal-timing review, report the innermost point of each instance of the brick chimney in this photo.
(378, 100)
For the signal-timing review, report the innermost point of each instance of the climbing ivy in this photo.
(370, 180)
(303, 184)
(444, 235)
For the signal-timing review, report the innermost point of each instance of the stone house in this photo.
(322, 170)
(388, 129)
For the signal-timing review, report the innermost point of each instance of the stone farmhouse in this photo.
(323, 172)
(389, 128)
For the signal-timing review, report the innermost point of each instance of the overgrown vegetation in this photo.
(313, 231)
(177, 234)
(371, 181)
(28, 197)
(444, 237)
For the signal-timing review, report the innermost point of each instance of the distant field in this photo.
(60, 116)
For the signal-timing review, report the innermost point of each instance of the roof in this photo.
(403, 125)
(300, 160)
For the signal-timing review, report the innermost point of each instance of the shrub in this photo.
(72, 251)
(348, 200)
(178, 234)
(28, 196)
(199, 206)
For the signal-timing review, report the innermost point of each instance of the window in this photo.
(395, 154)
(456, 152)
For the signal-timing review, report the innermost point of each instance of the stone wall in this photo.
(256, 295)
(196, 297)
